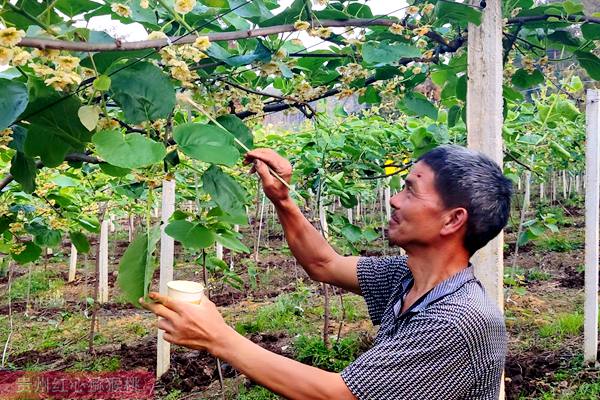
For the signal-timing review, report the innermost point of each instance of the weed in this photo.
(564, 325)
(559, 244)
(286, 313)
(40, 282)
(312, 350)
(173, 394)
(536, 275)
(98, 364)
(255, 393)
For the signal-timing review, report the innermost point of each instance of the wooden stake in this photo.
(592, 202)
(72, 263)
(167, 255)
(484, 124)
(103, 263)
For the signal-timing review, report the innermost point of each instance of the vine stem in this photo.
(191, 102)
(175, 15)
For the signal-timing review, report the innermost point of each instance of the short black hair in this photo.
(466, 178)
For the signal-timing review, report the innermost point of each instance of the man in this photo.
(440, 336)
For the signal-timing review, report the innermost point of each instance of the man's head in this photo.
(451, 192)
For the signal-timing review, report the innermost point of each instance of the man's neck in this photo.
(431, 266)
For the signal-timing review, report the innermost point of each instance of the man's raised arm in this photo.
(315, 255)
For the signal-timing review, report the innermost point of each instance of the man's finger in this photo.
(264, 173)
(159, 310)
(166, 301)
(165, 325)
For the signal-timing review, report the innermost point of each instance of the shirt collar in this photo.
(444, 288)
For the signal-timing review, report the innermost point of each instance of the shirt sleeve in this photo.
(430, 362)
(377, 279)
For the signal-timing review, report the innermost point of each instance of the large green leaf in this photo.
(23, 170)
(224, 190)
(524, 79)
(137, 265)
(206, 143)
(128, 151)
(42, 235)
(143, 91)
(352, 232)
(418, 104)
(229, 240)
(447, 11)
(13, 101)
(237, 128)
(589, 62)
(55, 132)
(75, 7)
(591, 31)
(385, 52)
(192, 235)
(31, 253)
(255, 9)
(80, 241)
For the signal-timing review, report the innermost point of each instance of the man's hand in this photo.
(263, 159)
(197, 326)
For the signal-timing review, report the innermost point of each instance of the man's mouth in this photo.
(394, 219)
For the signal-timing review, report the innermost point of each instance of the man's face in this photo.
(417, 210)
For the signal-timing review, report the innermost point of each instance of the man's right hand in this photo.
(264, 159)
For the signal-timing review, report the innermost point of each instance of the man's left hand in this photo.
(197, 326)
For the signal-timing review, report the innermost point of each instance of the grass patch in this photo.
(98, 364)
(559, 244)
(286, 313)
(41, 281)
(255, 393)
(564, 325)
(311, 350)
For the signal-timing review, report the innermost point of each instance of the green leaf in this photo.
(13, 101)
(128, 151)
(55, 132)
(352, 232)
(90, 224)
(229, 240)
(371, 234)
(143, 91)
(371, 96)
(31, 253)
(453, 115)
(591, 31)
(237, 128)
(80, 241)
(298, 10)
(560, 151)
(385, 52)
(89, 116)
(523, 79)
(192, 235)
(114, 171)
(23, 170)
(419, 105)
(459, 12)
(564, 37)
(224, 190)
(206, 143)
(461, 88)
(43, 236)
(137, 266)
(102, 83)
(72, 8)
(590, 63)
(530, 139)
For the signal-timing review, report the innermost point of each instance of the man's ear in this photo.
(454, 220)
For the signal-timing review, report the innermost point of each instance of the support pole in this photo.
(103, 262)
(484, 124)
(592, 202)
(72, 263)
(167, 250)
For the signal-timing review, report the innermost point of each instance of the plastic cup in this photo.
(188, 291)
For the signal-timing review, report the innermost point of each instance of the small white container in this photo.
(188, 291)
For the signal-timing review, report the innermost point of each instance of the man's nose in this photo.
(395, 201)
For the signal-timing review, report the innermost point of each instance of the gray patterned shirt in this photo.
(449, 345)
